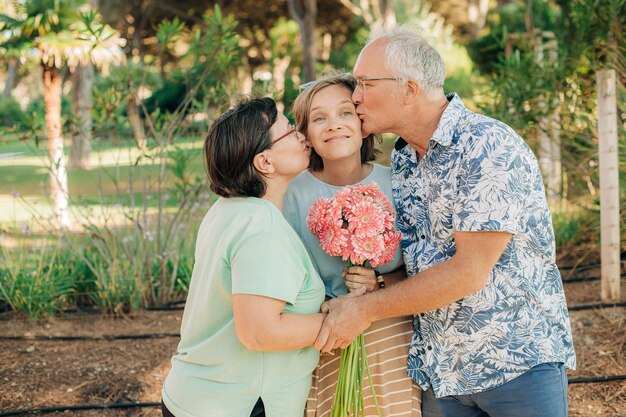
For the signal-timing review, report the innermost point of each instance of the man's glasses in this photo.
(360, 82)
(292, 129)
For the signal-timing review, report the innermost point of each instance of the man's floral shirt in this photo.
(479, 175)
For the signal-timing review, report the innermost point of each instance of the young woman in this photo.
(341, 156)
(252, 312)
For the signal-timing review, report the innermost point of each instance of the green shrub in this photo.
(11, 115)
(574, 227)
(117, 284)
(36, 282)
(136, 241)
(462, 83)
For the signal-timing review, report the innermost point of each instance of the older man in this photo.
(491, 330)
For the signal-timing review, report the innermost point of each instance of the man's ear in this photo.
(263, 163)
(412, 89)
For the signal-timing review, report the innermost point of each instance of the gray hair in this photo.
(408, 56)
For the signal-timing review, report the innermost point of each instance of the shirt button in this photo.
(429, 347)
(419, 198)
(422, 237)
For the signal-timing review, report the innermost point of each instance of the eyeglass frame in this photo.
(293, 130)
(359, 81)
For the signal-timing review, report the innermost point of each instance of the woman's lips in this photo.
(336, 138)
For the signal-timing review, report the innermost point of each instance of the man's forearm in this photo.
(466, 272)
(433, 288)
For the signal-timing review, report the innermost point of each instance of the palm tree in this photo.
(62, 32)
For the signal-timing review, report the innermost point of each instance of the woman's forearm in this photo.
(262, 324)
(291, 331)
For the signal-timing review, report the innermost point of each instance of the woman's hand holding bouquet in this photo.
(360, 276)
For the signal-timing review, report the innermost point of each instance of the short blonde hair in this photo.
(302, 107)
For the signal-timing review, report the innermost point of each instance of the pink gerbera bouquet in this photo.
(358, 225)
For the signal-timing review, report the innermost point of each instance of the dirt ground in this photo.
(49, 373)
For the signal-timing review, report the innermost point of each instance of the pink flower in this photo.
(366, 219)
(356, 224)
(391, 239)
(347, 250)
(385, 205)
(334, 214)
(366, 248)
(315, 220)
(353, 201)
(372, 190)
(390, 222)
(333, 239)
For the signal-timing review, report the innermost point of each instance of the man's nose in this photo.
(357, 96)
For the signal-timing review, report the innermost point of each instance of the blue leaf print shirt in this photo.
(479, 175)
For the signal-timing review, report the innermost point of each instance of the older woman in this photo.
(252, 312)
(341, 156)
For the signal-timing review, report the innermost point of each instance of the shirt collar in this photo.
(446, 126)
(449, 120)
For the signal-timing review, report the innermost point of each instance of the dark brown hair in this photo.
(233, 141)
(302, 107)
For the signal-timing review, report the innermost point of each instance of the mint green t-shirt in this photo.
(244, 246)
(303, 191)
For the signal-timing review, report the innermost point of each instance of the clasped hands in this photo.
(344, 318)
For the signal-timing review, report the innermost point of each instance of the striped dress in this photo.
(387, 346)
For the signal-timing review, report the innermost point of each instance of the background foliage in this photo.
(136, 207)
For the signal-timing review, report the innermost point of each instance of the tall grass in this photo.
(133, 245)
(575, 227)
(37, 281)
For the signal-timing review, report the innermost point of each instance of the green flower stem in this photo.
(369, 376)
(353, 367)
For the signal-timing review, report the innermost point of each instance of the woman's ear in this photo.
(263, 163)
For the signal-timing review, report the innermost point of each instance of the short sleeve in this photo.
(263, 263)
(493, 184)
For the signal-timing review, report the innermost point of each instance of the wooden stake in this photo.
(609, 186)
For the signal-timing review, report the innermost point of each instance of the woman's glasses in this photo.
(292, 129)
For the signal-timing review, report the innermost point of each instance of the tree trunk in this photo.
(554, 122)
(609, 186)
(375, 13)
(247, 82)
(279, 69)
(82, 106)
(389, 15)
(58, 173)
(305, 12)
(14, 63)
(136, 124)
(327, 43)
(548, 129)
(477, 16)
(11, 80)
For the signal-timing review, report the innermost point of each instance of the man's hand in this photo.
(344, 322)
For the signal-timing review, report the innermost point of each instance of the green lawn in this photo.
(119, 175)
